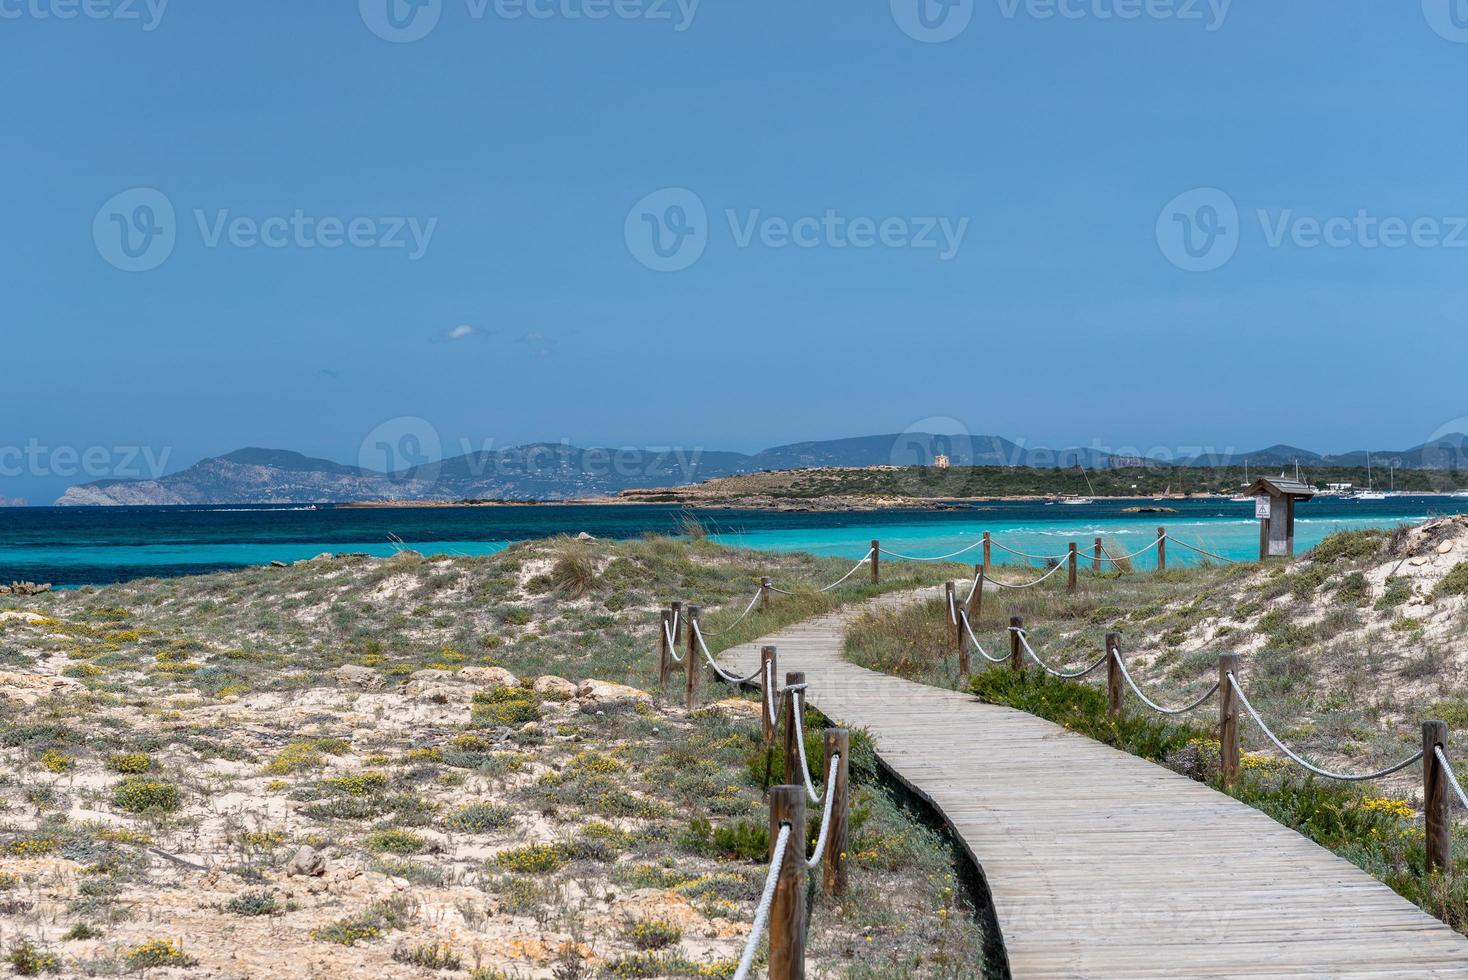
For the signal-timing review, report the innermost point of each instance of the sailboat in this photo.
(1077, 501)
(1369, 493)
(1241, 498)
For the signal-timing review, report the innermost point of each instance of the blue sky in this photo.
(506, 172)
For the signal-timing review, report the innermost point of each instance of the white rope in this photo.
(1027, 585)
(1114, 559)
(952, 609)
(979, 646)
(1126, 674)
(1416, 756)
(698, 635)
(1448, 768)
(798, 709)
(672, 645)
(769, 686)
(677, 613)
(815, 858)
(1200, 551)
(1067, 675)
(1026, 554)
(974, 588)
(746, 612)
(854, 569)
(767, 898)
(961, 551)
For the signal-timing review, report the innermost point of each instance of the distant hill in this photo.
(556, 471)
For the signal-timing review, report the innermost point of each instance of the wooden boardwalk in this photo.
(1104, 865)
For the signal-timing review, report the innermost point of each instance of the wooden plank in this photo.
(1104, 865)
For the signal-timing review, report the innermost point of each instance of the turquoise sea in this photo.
(91, 546)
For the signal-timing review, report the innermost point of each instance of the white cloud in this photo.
(461, 331)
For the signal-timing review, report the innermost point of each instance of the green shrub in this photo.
(428, 956)
(479, 818)
(1398, 591)
(1081, 708)
(261, 902)
(533, 858)
(130, 763)
(28, 960)
(1352, 545)
(157, 952)
(1354, 588)
(651, 934)
(506, 706)
(138, 794)
(1453, 583)
(396, 841)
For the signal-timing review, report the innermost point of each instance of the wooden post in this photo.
(665, 659)
(1162, 549)
(769, 675)
(1096, 559)
(1070, 574)
(691, 660)
(764, 593)
(986, 551)
(876, 562)
(677, 623)
(1115, 693)
(955, 626)
(838, 742)
(787, 913)
(1435, 799)
(792, 742)
(1228, 719)
(1016, 652)
(976, 597)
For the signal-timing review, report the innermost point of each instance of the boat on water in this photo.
(1077, 501)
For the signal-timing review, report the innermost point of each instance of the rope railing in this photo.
(1024, 640)
(782, 906)
(1301, 761)
(819, 852)
(1127, 676)
(1202, 551)
(796, 714)
(723, 674)
(979, 646)
(1026, 585)
(1442, 760)
(766, 902)
(947, 557)
(758, 594)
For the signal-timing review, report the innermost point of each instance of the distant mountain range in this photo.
(550, 471)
